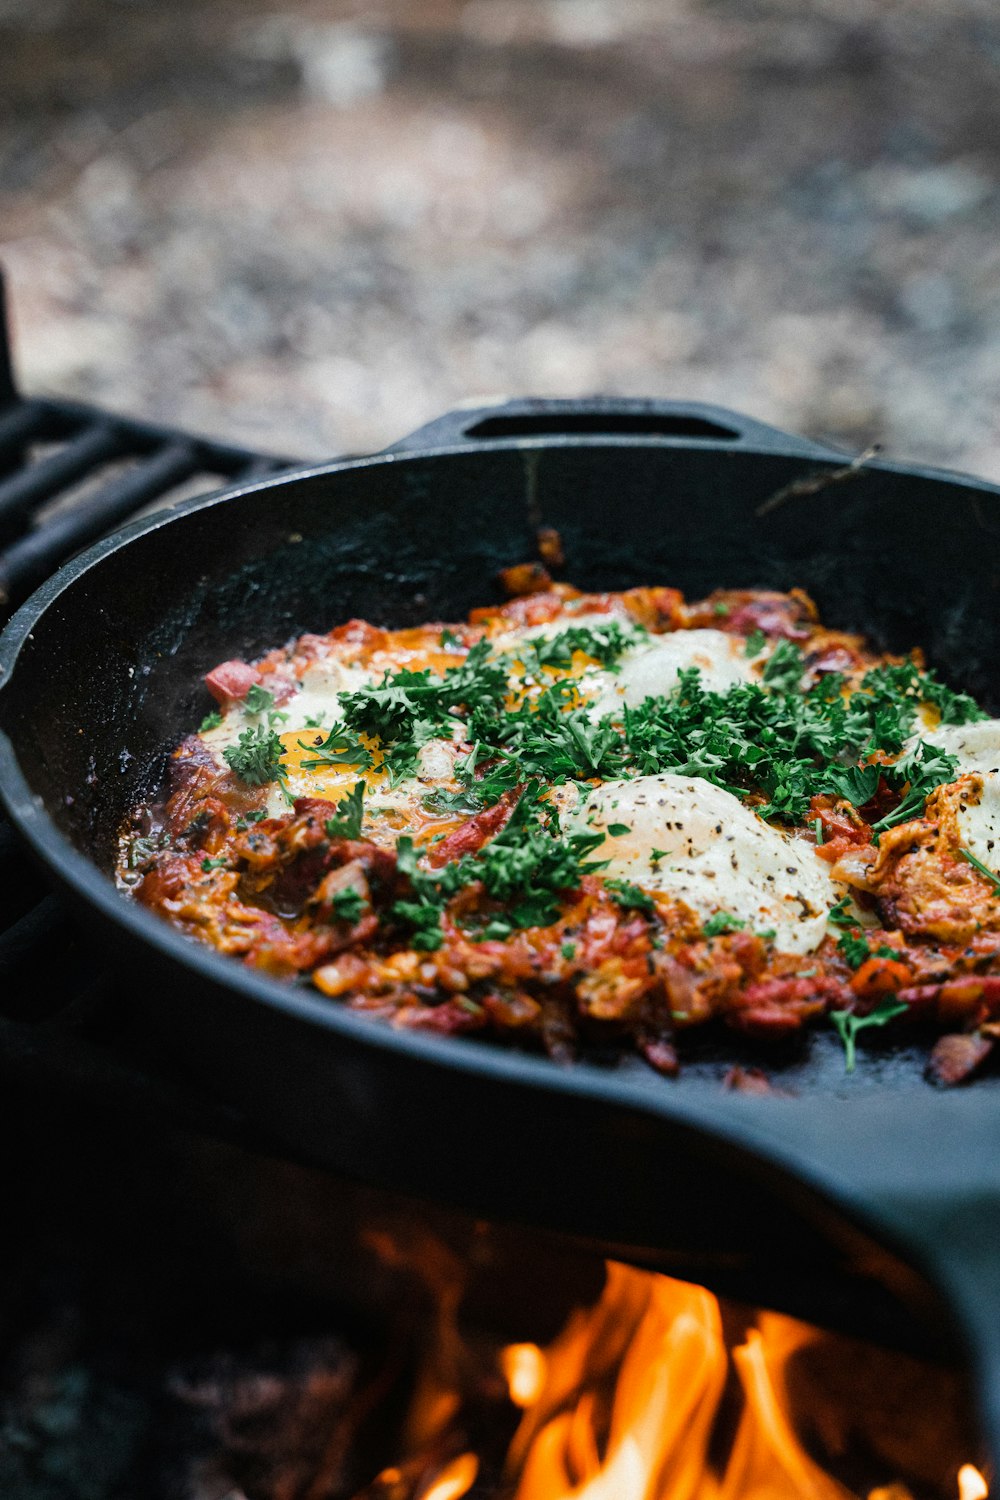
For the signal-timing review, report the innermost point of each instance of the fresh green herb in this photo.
(818, 830)
(527, 866)
(424, 918)
(348, 905)
(854, 949)
(568, 950)
(917, 775)
(840, 914)
(210, 721)
(618, 830)
(983, 869)
(856, 784)
(768, 934)
(449, 638)
(848, 1025)
(790, 743)
(315, 721)
(655, 855)
(215, 864)
(423, 913)
(406, 709)
(631, 897)
(346, 822)
(256, 756)
(903, 683)
(547, 738)
(464, 803)
(720, 608)
(246, 819)
(259, 700)
(721, 922)
(784, 667)
(756, 641)
(605, 643)
(340, 748)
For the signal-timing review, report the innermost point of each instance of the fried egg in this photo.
(652, 669)
(686, 838)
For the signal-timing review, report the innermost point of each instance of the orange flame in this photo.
(454, 1481)
(625, 1401)
(971, 1484)
(642, 1396)
(525, 1367)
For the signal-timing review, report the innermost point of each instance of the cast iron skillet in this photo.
(818, 1203)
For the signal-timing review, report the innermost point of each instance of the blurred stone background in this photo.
(312, 224)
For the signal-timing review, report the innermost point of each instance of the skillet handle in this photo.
(965, 1263)
(925, 1172)
(672, 423)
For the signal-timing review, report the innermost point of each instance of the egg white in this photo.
(652, 668)
(714, 853)
(977, 748)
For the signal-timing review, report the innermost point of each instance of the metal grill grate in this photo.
(110, 466)
(69, 473)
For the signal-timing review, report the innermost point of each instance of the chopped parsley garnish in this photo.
(527, 866)
(618, 830)
(605, 643)
(848, 1025)
(315, 721)
(406, 709)
(917, 775)
(756, 641)
(466, 801)
(784, 667)
(852, 944)
(856, 784)
(348, 905)
(854, 949)
(215, 864)
(631, 897)
(256, 756)
(721, 922)
(244, 821)
(906, 682)
(210, 721)
(258, 700)
(568, 950)
(840, 914)
(340, 748)
(346, 822)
